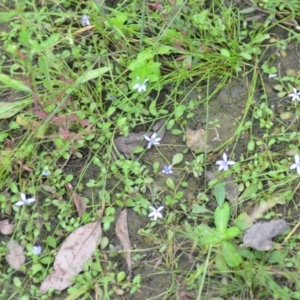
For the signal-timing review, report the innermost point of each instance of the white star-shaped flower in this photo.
(85, 20)
(225, 163)
(295, 95)
(153, 140)
(141, 87)
(24, 200)
(296, 165)
(156, 214)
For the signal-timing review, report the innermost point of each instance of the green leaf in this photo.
(177, 158)
(248, 193)
(225, 53)
(121, 276)
(207, 235)
(220, 263)
(243, 221)
(246, 55)
(222, 217)
(17, 282)
(211, 237)
(138, 149)
(92, 74)
(6, 16)
(219, 193)
(9, 109)
(231, 232)
(199, 209)
(51, 241)
(231, 257)
(170, 183)
(152, 108)
(104, 242)
(251, 145)
(14, 84)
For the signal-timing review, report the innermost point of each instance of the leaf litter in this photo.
(260, 235)
(15, 256)
(6, 228)
(77, 200)
(122, 234)
(79, 246)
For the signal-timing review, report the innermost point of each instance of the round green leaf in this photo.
(177, 158)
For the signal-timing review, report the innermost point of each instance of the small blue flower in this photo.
(85, 20)
(167, 170)
(37, 249)
(46, 172)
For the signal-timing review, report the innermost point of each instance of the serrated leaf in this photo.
(14, 84)
(92, 74)
(177, 158)
(9, 109)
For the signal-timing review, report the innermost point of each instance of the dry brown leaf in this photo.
(79, 204)
(122, 234)
(15, 256)
(260, 235)
(77, 200)
(197, 139)
(79, 246)
(6, 228)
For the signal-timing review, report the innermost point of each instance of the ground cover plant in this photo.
(149, 150)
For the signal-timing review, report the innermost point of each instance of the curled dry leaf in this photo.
(72, 255)
(6, 228)
(15, 256)
(260, 235)
(77, 200)
(122, 234)
(197, 139)
(127, 144)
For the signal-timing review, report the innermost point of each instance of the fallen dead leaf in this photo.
(77, 200)
(122, 234)
(127, 144)
(260, 235)
(6, 228)
(79, 246)
(15, 256)
(197, 139)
